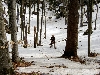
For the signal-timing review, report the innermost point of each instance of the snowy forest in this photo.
(49, 37)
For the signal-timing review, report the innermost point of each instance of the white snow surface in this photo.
(44, 56)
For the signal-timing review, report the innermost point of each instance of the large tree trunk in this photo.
(72, 30)
(5, 62)
(12, 22)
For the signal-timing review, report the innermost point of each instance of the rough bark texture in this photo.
(12, 22)
(5, 61)
(72, 29)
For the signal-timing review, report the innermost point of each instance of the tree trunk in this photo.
(72, 30)
(81, 21)
(29, 16)
(37, 21)
(25, 38)
(45, 27)
(38, 15)
(34, 37)
(12, 22)
(89, 9)
(5, 62)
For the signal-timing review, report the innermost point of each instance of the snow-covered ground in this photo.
(45, 59)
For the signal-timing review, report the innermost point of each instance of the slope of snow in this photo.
(43, 56)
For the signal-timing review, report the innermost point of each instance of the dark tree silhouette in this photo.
(72, 29)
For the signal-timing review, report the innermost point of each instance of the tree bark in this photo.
(37, 22)
(89, 9)
(29, 16)
(72, 29)
(12, 22)
(81, 21)
(5, 61)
